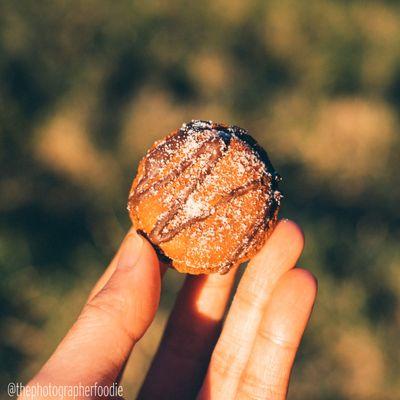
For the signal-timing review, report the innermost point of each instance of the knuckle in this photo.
(108, 308)
(255, 388)
(246, 298)
(227, 364)
(277, 340)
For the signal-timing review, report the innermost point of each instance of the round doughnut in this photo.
(206, 196)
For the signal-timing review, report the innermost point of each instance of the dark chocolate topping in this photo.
(214, 150)
(168, 235)
(202, 144)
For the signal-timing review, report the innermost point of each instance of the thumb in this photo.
(100, 341)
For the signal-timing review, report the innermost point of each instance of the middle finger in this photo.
(232, 351)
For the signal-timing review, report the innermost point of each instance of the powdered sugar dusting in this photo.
(193, 208)
(236, 198)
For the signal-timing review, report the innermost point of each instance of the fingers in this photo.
(232, 351)
(105, 277)
(189, 338)
(102, 338)
(268, 370)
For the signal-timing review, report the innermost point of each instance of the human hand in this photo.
(250, 359)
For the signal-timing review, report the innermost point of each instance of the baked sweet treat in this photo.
(206, 196)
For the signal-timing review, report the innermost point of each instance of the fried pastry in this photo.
(206, 197)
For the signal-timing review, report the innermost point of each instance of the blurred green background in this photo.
(87, 86)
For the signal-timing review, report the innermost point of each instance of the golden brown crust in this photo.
(206, 196)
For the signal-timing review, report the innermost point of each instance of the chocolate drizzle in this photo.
(200, 145)
(164, 236)
(242, 248)
(213, 147)
(153, 161)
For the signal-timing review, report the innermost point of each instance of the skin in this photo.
(249, 357)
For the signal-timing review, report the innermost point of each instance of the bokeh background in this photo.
(87, 86)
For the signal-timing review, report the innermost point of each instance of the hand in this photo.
(250, 359)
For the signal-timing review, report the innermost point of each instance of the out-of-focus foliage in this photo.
(87, 86)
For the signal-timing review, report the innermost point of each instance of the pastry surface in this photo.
(206, 196)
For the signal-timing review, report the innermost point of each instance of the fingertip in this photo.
(149, 252)
(292, 230)
(303, 276)
(137, 260)
(307, 278)
(105, 277)
(147, 270)
(303, 282)
(285, 245)
(297, 288)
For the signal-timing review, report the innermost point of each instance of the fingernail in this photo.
(130, 251)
